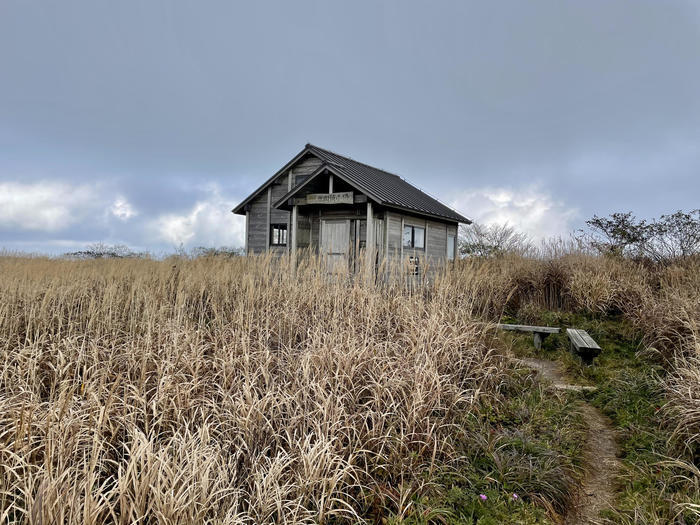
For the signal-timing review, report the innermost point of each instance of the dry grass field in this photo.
(219, 390)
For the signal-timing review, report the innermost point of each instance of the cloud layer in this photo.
(58, 217)
(530, 209)
(51, 210)
(143, 123)
(46, 206)
(208, 222)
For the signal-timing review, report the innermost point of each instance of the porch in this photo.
(341, 233)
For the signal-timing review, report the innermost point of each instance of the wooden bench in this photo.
(538, 332)
(583, 344)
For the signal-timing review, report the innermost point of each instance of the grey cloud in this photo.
(597, 101)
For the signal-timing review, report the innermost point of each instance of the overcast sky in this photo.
(144, 123)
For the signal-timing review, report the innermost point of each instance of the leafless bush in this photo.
(477, 240)
(663, 240)
(101, 250)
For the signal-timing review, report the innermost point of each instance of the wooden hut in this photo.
(343, 209)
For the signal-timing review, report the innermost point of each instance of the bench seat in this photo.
(538, 332)
(583, 344)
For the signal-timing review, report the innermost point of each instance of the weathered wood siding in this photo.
(257, 228)
(436, 242)
(304, 168)
(261, 215)
(303, 231)
(394, 235)
(434, 255)
(279, 189)
(315, 232)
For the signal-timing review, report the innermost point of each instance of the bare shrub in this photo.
(100, 250)
(663, 240)
(478, 240)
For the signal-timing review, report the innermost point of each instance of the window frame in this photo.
(281, 227)
(412, 244)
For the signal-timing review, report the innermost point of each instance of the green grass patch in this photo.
(523, 454)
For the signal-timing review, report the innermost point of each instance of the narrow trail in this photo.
(601, 462)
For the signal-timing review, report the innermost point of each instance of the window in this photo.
(413, 237)
(450, 247)
(278, 234)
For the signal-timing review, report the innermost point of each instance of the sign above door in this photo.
(345, 197)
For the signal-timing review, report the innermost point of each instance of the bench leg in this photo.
(537, 339)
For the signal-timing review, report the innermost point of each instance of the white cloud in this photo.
(44, 206)
(122, 209)
(529, 209)
(208, 223)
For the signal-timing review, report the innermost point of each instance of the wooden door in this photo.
(335, 244)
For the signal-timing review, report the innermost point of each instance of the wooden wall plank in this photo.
(304, 168)
(436, 242)
(257, 227)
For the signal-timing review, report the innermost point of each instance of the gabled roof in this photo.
(381, 186)
(386, 188)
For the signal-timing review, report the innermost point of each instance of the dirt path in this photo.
(601, 450)
(551, 371)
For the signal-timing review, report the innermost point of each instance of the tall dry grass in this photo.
(222, 391)
(669, 316)
(661, 301)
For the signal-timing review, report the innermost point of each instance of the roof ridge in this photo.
(353, 160)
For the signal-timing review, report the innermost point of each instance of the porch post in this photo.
(295, 216)
(369, 241)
